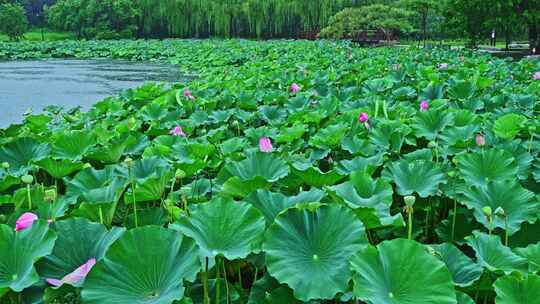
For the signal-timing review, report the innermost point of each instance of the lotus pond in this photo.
(287, 172)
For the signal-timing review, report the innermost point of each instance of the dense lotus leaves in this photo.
(371, 198)
(519, 205)
(475, 145)
(145, 265)
(464, 271)
(309, 249)
(97, 186)
(516, 288)
(21, 153)
(393, 272)
(480, 168)
(419, 176)
(79, 240)
(224, 227)
(493, 255)
(19, 250)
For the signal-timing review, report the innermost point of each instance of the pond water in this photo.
(70, 83)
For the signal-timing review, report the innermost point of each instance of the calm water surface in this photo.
(70, 83)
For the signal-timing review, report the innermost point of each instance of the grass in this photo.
(48, 35)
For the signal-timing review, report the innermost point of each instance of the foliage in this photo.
(352, 21)
(431, 204)
(14, 22)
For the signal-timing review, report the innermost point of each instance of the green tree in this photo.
(351, 21)
(424, 11)
(469, 17)
(13, 20)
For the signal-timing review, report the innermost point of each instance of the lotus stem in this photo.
(218, 285)
(506, 231)
(225, 278)
(530, 142)
(384, 109)
(410, 222)
(134, 199)
(29, 197)
(256, 273)
(100, 215)
(376, 108)
(454, 220)
(240, 275)
(206, 299)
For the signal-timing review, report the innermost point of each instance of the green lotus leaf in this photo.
(463, 298)
(271, 204)
(236, 187)
(461, 89)
(313, 176)
(72, 145)
(509, 125)
(310, 250)
(519, 204)
(493, 255)
(195, 293)
(389, 135)
(373, 198)
(145, 265)
(153, 112)
(7, 180)
(264, 165)
(464, 271)
(268, 291)
(20, 154)
(150, 177)
(481, 168)
(149, 216)
(464, 226)
(232, 145)
(110, 152)
(345, 167)
(79, 240)
(224, 227)
(292, 133)
(515, 288)
(329, 137)
(59, 168)
(20, 250)
(430, 124)
(97, 186)
(532, 254)
(420, 176)
(393, 271)
(432, 92)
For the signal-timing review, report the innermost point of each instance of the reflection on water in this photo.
(70, 83)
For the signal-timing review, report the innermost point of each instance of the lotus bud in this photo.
(500, 212)
(532, 129)
(5, 165)
(180, 173)
(432, 144)
(487, 211)
(410, 200)
(50, 195)
(27, 179)
(169, 202)
(452, 173)
(235, 123)
(128, 161)
(87, 166)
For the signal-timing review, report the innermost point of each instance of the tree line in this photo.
(475, 20)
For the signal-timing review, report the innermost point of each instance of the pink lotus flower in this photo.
(76, 276)
(536, 76)
(177, 131)
(480, 140)
(363, 117)
(265, 145)
(295, 88)
(443, 66)
(25, 221)
(187, 94)
(424, 105)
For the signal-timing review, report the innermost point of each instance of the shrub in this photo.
(14, 22)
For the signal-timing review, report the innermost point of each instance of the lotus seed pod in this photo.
(50, 195)
(128, 161)
(500, 212)
(410, 200)
(5, 165)
(487, 211)
(27, 179)
(179, 173)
